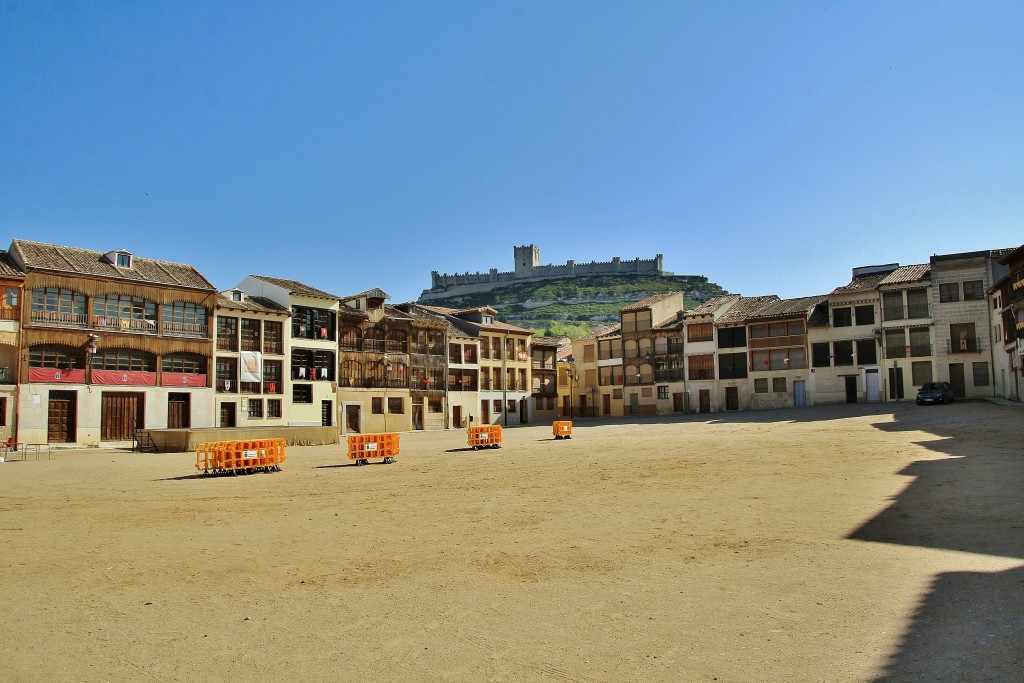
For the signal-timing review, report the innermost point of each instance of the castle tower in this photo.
(527, 258)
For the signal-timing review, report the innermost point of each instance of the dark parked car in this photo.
(935, 392)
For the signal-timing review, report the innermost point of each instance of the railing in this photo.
(201, 331)
(137, 325)
(9, 312)
(641, 379)
(276, 348)
(463, 387)
(227, 344)
(544, 365)
(428, 349)
(55, 319)
(674, 375)
(227, 385)
(917, 311)
(969, 345)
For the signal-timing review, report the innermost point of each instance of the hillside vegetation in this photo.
(576, 306)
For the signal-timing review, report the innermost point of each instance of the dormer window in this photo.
(120, 258)
(488, 319)
(236, 295)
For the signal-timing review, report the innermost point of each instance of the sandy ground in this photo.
(846, 543)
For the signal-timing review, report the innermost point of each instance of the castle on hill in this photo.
(528, 269)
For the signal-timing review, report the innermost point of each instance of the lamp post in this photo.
(91, 347)
(574, 378)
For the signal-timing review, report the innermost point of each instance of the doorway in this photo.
(895, 383)
(121, 413)
(872, 386)
(417, 416)
(732, 398)
(524, 411)
(607, 400)
(227, 414)
(179, 414)
(485, 412)
(851, 388)
(352, 418)
(800, 393)
(704, 400)
(62, 417)
(677, 402)
(956, 378)
(456, 417)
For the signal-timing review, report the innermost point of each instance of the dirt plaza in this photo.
(845, 543)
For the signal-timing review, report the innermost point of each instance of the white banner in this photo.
(251, 369)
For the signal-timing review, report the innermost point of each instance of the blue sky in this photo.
(771, 146)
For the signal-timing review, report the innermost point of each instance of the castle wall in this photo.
(527, 271)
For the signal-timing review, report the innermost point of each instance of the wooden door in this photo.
(121, 413)
(732, 398)
(677, 402)
(895, 383)
(417, 416)
(456, 417)
(956, 378)
(179, 413)
(62, 417)
(485, 412)
(705, 400)
(607, 399)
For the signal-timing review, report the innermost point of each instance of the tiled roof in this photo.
(673, 321)
(745, 307)
(374, 293)
(40, 256)
(649, 301)
(787, 308)
(9, 268)
(711, 305)
(601, 331)
(257, 304)
(550, 342)
(296, 287)
(921, 271)
(865, 283)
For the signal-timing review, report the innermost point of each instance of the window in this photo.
(185, 363)
(11, 298)
(182, 316)
(236, 295)
(779, 385)
(455, 353)
(588, 353)
(610, 374)
(962, 339)
(864, 315)
(313, 323)
(980, 371)
(227, 333)
(700, 332)
(949, 292)
(511, 408)
(302, 393)
(62, 305)
(732, 365)
(732, 337)
(920, 341)
(761, 385)
(701, 367)
(842, 317)
(123, 260)
(273, 337)
(821, 356)
(396, 406)
(273, 371)
(128, 360)
(496, 404)
(974, 290)
(892, 305)
(377, 405)
(227, 374)
(920, 372)
(895, 341)
(250, 335)
(842, 352)
(662, 392)
(759, 360)
(53, 356)
(3, 411)
(917, 303)
(867, 352)
(255, 407)
(118, 311)
(273, 407)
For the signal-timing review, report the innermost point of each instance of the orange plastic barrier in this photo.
(562, 429)
(362, 447)
(259, 455)
(484, 436)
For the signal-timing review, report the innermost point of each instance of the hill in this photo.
(574, 306)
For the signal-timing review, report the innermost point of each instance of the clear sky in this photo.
(771, 146)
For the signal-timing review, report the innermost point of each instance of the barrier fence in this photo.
(259, 455)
